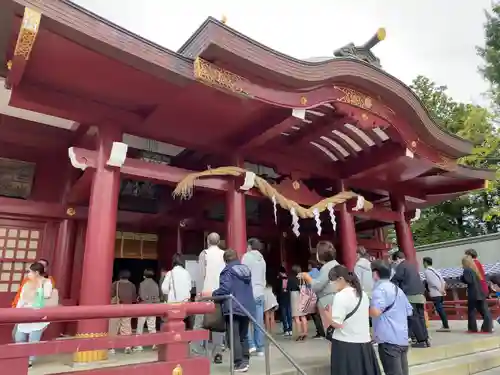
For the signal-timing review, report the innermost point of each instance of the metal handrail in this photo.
(232, 299)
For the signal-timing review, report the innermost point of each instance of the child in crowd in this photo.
(284, 302)
(270, 306)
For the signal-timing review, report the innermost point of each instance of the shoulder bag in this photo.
(331, 329)
(116, 299)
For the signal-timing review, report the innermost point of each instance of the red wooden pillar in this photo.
(348, 240)
(100, 242)
(236, 217)
(63, 259)
(403, 229)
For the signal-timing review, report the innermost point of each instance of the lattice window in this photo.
(18, 249)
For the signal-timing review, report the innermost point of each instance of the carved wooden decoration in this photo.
(217, 77)
(27, 33)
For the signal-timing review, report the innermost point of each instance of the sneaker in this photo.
(128, 351)
(289, 334)
(138, 349)
(241, 368)
(259, 354)
(218, 359)
(112, 351)
(252, 350)
(442, 329)
(318, 336)
(154, 347)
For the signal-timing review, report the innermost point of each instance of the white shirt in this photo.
(211, 263)
(177, 285)
(32, 327)
(357, 327)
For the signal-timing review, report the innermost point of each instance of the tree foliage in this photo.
(475, 213)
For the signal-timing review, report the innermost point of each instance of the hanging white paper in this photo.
(360, 203)
(249, 181)
(295, 222)
(332, 216)
(275, 209)
(318, 221)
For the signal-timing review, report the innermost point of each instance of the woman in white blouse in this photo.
(352, 351)
(33, 295)
(177, 283)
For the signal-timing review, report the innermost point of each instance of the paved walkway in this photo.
(310, 354)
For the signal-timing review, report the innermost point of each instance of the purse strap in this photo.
(355, 308)
(117, 290)
(393, 302)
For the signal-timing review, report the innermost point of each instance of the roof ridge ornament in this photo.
(364, 52)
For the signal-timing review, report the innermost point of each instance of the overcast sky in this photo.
(435, 38)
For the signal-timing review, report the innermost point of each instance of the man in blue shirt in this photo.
(390, 309)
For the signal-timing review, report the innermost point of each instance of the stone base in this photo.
(91, 355)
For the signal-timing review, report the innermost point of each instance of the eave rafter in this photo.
(28, 32)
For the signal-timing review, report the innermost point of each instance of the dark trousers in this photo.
(394, 359)
(286, 316)
(240, 339)
(482, 308)
(416, 323)
(438, 304)
(320, 330)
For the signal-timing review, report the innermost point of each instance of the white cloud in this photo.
(429, 37)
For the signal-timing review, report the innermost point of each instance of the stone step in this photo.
(448, 351)
(493, 371)
(469, 364)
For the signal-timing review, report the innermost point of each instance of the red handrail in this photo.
(172, 340)
(71, 313)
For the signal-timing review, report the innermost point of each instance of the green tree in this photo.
(467, 215)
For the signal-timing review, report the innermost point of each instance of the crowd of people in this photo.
(380, 304)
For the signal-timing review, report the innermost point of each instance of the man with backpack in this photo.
(436, 286)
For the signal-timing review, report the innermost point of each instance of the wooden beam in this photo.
(371, 158)
(80, 191)
(312, 132)
(270, 133)
(66, 105)
(162, 174)
(15, 207)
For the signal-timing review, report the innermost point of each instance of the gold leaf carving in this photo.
(355, 98)
(27, 33)
(215, 76)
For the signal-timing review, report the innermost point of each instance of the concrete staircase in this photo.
(461, 358)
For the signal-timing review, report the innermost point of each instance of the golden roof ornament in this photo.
(224, 19)
(363, 52)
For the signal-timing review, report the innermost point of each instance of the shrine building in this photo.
(116, 152)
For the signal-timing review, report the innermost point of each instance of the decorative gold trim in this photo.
(355, 98)
(27, 33)
(71, 211)
(303, 100)
(215, 76)
(91, 355)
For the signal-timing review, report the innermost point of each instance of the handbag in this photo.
(116, 300)
(331, 329)
(307, 299)
(215, 321)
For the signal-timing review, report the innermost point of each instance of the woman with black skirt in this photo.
(476, 298)
(352, 350)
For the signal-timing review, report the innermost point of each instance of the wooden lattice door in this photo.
(18, 249)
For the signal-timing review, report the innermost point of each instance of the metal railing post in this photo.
(262, 329)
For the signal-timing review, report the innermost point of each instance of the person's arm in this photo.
(224, 286)
(165, 285)
(203, 267)
(399, 276)
(15, 301)
(134, 293)
(409, 309)
(320, 282)
(378, 303)
(142, 294)
(339, 311)
(47, 289)
(467, 276)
